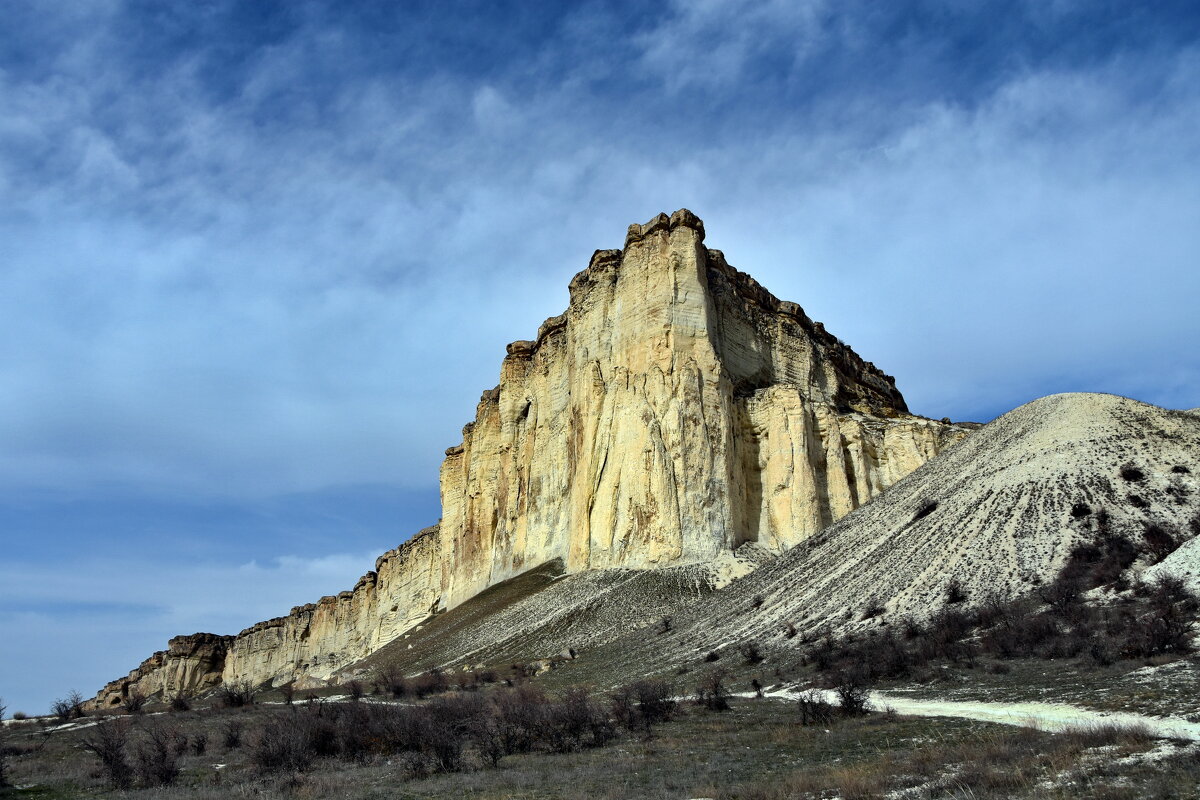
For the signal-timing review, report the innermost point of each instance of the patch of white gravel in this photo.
(1043, 716)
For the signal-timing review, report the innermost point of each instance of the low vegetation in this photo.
(635, 741)
(1138, 620)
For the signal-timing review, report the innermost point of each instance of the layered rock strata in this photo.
(189, 665)
(674, 412)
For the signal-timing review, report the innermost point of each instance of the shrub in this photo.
(955, 592)
(69, 707)
(1132, 473)
(852, 693)
(518, 716)
(231, 734)
(925, 510)
(288, 692)
(390, 679)
(664, 626)
(575, 723)
(355, 688)
(133, 702)
(712, 656)
(712, 692)
(108, 743)
(283, 744)
(432, 682)
(1159, 541)
(641, 705)
(874, 608)
(199, 743)
(180, 703)
(1166, 627)
(751, 652)
(814, 708)
(1080, 510)
(1137, 501)
(157, 761)
(235, 695)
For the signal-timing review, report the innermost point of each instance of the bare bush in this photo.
(518, 718)
(231, 734)
(874, 608)
(109, 742)
(157, 762)
(1158, 541)
(814, 708)
(288, 692)
(575, 723)
(356, 690)
(283, 744)
(134, 702)
(851, 687)
(199, 743)
(390, 680)
(432, 682)
(712, 693)
(237, 694)
(955, 592)
(69, 707)
(180, 702)
(751, 652)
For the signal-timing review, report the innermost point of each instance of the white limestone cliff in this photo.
(673, 413)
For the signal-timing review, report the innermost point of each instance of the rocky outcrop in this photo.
(675, 412)
(189, 665)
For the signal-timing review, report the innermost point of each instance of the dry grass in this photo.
(756, 750)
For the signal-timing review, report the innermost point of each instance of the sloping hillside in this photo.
(545, 614)
(998, 513)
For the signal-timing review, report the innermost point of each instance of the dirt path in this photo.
(1046, 716)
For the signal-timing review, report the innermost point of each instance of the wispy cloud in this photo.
(248, 251)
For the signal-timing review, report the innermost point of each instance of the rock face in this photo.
(188, 665)
(673, 413)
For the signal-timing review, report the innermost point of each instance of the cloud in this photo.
(111, 612)
(246, 256)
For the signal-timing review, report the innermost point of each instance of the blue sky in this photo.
(257, 260)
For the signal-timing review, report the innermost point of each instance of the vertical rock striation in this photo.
(674, 412)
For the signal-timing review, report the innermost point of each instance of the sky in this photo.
(259, 259)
